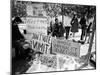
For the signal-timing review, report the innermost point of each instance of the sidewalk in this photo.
(83, 51)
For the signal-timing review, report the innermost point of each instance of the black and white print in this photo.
(52, 37)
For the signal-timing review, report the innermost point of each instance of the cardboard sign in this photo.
(65, 47)
(37, 24)
(49, 60)
(41, 37)
(41, 43)
(40, 46)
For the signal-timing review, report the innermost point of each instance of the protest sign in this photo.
(41, 43)
(41, 37)
(49, 60)
(66, 47)
(40, 46)
(37, 24)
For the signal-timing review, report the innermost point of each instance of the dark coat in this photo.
(16, 34)
(61, 30)
(83, 23)
(55, 30)
(74, 23)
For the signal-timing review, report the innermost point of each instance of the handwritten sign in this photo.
(49, 60)
(41, 43)
(37, 24)
(65, 47)
(41, 37)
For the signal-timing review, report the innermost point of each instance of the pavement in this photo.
(38, 67)
(72, 63)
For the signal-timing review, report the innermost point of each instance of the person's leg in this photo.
(73, 34)
(67, 32)
(82, 34)
(22, 51)
(88, 38)
(17, 52)
(66, 35)
(86, 35)
(57, 34)
(15, 48)
(53, 34)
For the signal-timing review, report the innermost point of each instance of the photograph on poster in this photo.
(52, 37)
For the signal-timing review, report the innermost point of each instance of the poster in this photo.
(49, 35)
(41, 43)
(65, 47)
(37, 24)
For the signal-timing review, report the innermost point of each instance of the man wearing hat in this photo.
(16, 36)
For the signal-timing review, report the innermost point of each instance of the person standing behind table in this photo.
(74, 23)
(61, 30)
(83, 27)
(50, 28)
(16, 36)
(67, 30)
(56, 28)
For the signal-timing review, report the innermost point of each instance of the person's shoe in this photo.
(81, 41)
(74, 40)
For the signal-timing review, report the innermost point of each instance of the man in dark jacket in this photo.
(56, 28)
(83, 27)
(61, 30)
(74, 23)
(16, 36)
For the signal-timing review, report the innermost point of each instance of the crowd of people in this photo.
(57, 29)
